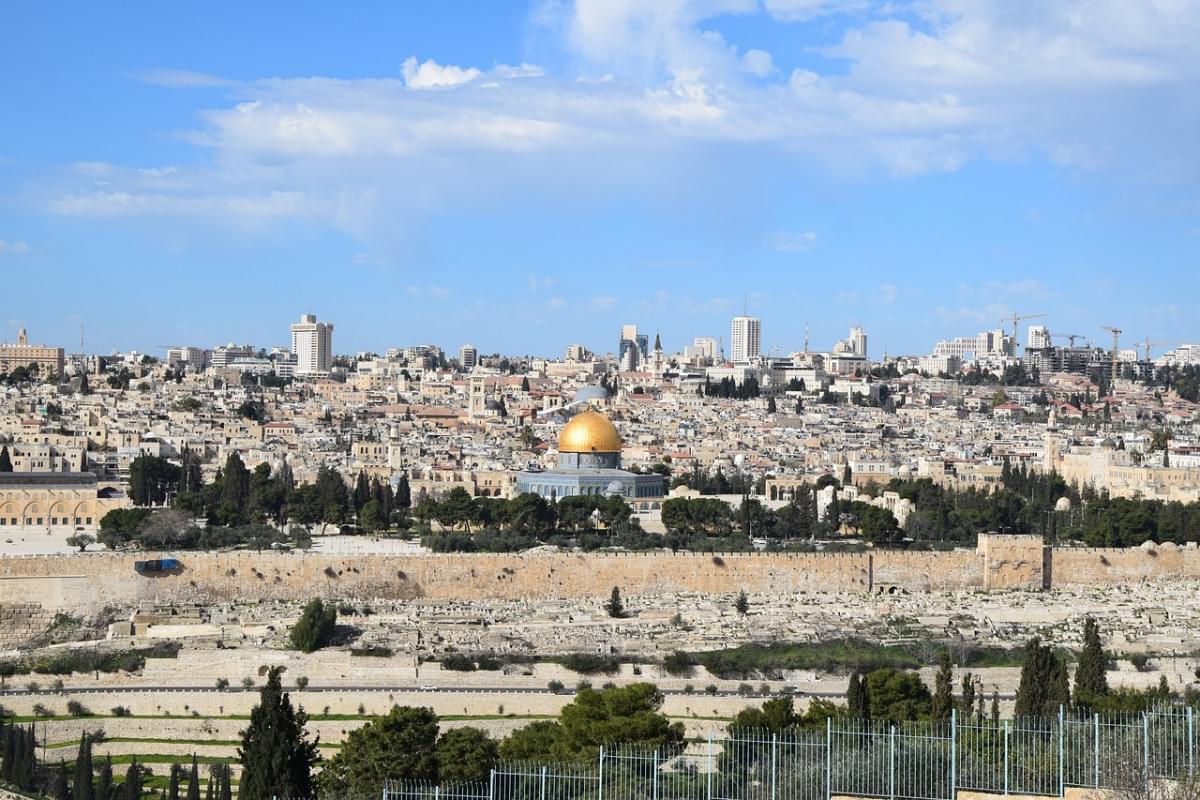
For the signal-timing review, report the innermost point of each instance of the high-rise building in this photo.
(703, 349)
(312, 344)
(745, 339)
(468, 357)
(1039, 338)
(195, 359)
(639, 343)
(224, 355)
(853, 345)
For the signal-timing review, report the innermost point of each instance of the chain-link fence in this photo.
(897, 761)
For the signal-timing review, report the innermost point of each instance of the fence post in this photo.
(654, 777)
(437, 792)
(1006, 756)
(542, 789)
(774, 763)
(892, 764)
(492, 785)
(953, 753)
(1061, 751)
(710, 765)
(600, 777)
(1096, 740)
(1191, 743)
(1146, 745)
(828, 758)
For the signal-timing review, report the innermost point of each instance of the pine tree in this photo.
(276, 754)
(403, 493)
(83, 770)
(943, 694)
(742, 604)
(1091, 682)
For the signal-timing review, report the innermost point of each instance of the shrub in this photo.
(247, 682)
(40, 710)
(315, 627)
(222, 683)
(590, 663)
(711, 688)
(1140, 661)
(302, 682)
(375, 651)
(458, 662)
(745, 689)
(77, 709)
(679, 664)
(121, 711)
(555, 686)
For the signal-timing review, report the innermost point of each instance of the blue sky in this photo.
(527, 175)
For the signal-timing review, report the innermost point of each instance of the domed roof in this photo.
(589, 432)
(591, 392)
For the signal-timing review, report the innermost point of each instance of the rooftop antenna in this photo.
(806, 338)
(81, 350)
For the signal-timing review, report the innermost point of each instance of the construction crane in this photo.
(1014, 320)
(1070, 337)
(1147, 344)
(1116, 334)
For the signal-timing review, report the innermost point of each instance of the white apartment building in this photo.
(984, 345)
(468, 357)
(1184, 354)
(224, 355)
(745, 339)
(195, 359)
(312, 344)
(1038, 338)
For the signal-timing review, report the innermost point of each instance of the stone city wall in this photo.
(85, 581)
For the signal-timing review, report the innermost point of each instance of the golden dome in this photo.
(589, 432)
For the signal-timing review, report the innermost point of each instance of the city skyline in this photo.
(523, 173)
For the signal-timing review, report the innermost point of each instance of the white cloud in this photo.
(788, 242)
(603, 303)
(651, 96)
(184, 79)
(18, 247)
(431, 75)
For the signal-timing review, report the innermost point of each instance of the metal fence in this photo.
(897, 761)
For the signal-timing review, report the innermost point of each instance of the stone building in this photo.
(55, 500)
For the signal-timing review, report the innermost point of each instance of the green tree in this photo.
(83, 770)
(58, 784)
(465, 754)
(315, 627)
(534, 742)
(776, 715)
(399, 746)
(104, 784)
(131, 789)
(275, 753)
(193, 792)
(1043, 685)
(858, 699)
(897, 695)
(173, 782)
(742, 604)
(967, 703)
(5, 460)
(614, 606)
(1091, 682)
(943, 692)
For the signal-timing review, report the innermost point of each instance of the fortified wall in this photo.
(35, 585)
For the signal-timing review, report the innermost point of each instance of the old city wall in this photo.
(34, 586)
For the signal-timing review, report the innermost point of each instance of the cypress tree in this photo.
(1091, 683)
(209, 790)
(58, 788)
(1059, 694)
(943, 693)
(83, 770)
(104, 786)
(173, 783)
(968, 695)
(193, 792)
(226, 784)
(403, 493)
(132, 788)
(5, 460)
(6, 752)
(275, 752)
(855, 697)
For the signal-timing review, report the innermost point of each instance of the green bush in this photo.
(315, 627)
(590, 663)
(458, 662)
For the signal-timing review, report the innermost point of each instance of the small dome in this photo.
(590, 393)
(589, 432)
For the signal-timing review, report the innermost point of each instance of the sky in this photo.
(527, 175)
